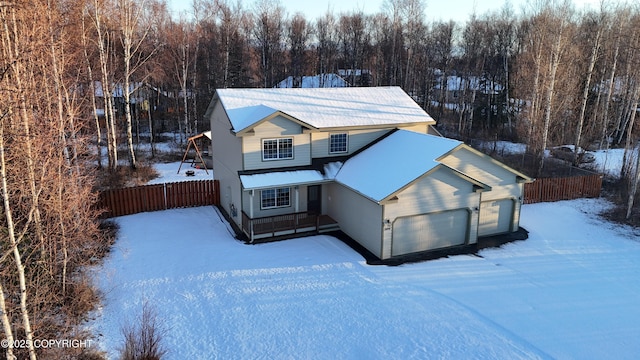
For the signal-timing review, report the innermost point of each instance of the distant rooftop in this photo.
(316, 81)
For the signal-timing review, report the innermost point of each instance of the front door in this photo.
(313, 199)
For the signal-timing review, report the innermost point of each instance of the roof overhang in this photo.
(283, 179)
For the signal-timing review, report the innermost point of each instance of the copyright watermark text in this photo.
(45, 343)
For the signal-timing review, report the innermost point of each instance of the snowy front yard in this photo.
(572, 290)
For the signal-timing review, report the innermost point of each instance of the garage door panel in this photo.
(429, 231)
(495, 217)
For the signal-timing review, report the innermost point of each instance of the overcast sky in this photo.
(457, 10)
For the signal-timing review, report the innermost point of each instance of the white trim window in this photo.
(338, 143)
(277, 149)
(275, 198)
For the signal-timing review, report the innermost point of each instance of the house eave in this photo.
(373, 127)
(276, 179)
(284, 184)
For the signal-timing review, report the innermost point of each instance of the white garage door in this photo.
(495, 217)
(429, 231)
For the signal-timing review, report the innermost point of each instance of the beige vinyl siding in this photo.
(278, 127)
(442, 190)
(419, 128)
(478, 167)
(301, 199)
(227, 161)
(358, 217)
(230, 193)
(356, 140)
(503, 182)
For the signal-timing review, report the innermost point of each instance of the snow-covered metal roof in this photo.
(243, 117)
(281, 179)
(393, 163)
(324, 107)
(290, 178)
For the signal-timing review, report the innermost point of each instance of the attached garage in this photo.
(411, 204)
(496, 217)
(430, 231)
(500, 207)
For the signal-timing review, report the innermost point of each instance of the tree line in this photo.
(78, 77)
(552, 75)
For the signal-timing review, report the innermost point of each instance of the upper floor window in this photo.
(277, 149)
(338, 143)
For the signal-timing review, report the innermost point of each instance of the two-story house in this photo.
(364, 160)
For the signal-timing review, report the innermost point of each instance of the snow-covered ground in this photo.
(609, 161)
(168, 173)
(571, 291)
(503, 147)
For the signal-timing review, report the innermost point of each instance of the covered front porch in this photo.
(284, 204)
(286, 225)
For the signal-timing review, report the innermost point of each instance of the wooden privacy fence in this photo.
(566, 188)
(132, 200)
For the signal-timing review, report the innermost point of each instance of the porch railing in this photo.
(279, 224)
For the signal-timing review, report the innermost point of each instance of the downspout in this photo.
(384, 223)
(477, 221)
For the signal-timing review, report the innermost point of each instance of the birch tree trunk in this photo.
(92, 85)
(607, 102)
(633, 110)
(587, 87)
(16, 252)
(550, 92)
(103, 41)
(128, 26)
(6, 325)
(634, 185)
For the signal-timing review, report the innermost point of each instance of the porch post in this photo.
(251, 214)
(251, 203)
(297, 206)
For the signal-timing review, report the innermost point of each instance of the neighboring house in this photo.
(143, 98)
(364, 160)
(356, 77)
(316, 81)
(456, 85)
